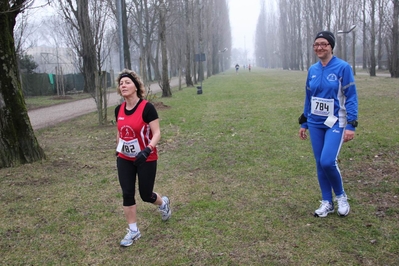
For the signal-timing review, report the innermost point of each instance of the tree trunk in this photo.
(166, 92)
(141, 37)
(189, 81)
(364, 22)
(283, 31)
(200, 64)
(88, 51)
(126, 48)
(379, 36)
(18, 143)
(373, 62)
(395, 44)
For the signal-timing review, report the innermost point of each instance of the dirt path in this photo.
(52, 115)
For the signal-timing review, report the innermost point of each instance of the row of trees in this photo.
(295, 23)
(189, 25)
(158, 38)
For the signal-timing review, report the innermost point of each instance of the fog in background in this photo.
(243, 19)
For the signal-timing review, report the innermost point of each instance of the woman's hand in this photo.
(348, 135)
(302, 133)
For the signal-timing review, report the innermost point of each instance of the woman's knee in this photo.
(328, 164)
(128, 200)
(148, 197)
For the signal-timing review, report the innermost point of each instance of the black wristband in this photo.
(302, 119)
(353, 123)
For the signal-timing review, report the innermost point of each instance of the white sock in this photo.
(133, 226)
(162, 205)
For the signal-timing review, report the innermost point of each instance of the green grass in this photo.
(242, 185)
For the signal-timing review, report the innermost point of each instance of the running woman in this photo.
(330, 114)
(137, 138)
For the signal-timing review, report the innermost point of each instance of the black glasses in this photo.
(322, 45)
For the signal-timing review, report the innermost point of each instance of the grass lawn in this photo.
(242, 185)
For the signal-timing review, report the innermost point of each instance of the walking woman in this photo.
(137, 138)
(330, 114)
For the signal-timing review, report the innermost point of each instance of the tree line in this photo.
(187, 38)
(366, 31)
(159, 39)
(143, 30)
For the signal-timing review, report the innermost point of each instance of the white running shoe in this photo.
(325, 208)
(343, 205)
(130, 237)
(166, 212)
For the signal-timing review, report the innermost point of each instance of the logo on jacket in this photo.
(332, 77)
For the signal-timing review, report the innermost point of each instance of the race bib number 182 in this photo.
(129, 148)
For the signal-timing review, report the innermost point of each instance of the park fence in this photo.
(43, 84)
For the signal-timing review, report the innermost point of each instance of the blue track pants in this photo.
(326, 144)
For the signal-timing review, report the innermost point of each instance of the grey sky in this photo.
(243, 17)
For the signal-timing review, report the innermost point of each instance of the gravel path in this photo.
(49, 116)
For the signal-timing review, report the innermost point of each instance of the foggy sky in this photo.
(243, 18)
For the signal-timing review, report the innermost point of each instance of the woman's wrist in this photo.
(151, 147)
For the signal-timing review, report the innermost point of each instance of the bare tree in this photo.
(99, 19)
(308, 34)
(143, 23)
(139, 18)
(175, 44)
(261, 40)
(87, 21)
(380, 43)
(200, 4)
(284, 31)
(394, 65)
(373, 61)
(344, 25)
(166, 92)
(188, 20)
(364, 30)
(77, 15)
(18, 143)
(217, 34)
(126, 48)
(22, 30)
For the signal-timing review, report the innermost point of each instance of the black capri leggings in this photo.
(127, 173)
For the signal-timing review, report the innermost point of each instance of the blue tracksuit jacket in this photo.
(335, 82)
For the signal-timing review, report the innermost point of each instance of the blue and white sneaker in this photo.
(130, 237)
(343, 205)
(325, 208)
(166, 212)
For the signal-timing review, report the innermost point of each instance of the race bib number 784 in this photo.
(322, 107)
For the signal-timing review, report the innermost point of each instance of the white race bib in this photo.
(322, 107)
(129, 148)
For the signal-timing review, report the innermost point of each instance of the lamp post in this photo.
(351, 29)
